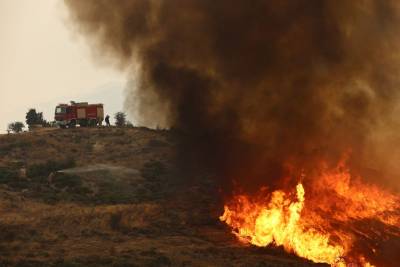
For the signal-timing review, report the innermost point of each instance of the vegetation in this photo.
(125, 203)
(155, 143)
(129, 124)
(16, 127)
(153, 170)
(120, 119)
(6, 148)
(7, 174)
(11, 176)
(34, 118)
(43, 170)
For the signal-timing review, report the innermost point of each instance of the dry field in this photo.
(112, 197)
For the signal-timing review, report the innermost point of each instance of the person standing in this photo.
(107, 119)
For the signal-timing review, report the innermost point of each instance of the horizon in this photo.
(44, 63)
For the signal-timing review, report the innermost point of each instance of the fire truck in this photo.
(82, 114)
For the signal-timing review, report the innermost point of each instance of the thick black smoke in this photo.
(258, 85)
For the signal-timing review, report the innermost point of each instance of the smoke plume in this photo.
(257, 86)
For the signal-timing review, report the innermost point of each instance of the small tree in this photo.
(120, 119)
(33, 117)
(16, 127)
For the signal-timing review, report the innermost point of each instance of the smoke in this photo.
(262, 85)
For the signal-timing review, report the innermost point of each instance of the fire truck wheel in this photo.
(83, 123)
(93, 123)
(72, 124)
(63, 126)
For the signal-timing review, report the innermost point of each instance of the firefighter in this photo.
(107, 119)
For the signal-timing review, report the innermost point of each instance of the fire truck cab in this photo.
(83, 114)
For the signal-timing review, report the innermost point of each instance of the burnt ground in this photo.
(112, 197)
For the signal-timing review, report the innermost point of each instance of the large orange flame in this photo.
(316, 228)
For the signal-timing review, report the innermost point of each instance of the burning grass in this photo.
(323, 226)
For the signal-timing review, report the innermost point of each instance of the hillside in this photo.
(112, 197)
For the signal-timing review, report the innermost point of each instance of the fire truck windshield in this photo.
(60, 110)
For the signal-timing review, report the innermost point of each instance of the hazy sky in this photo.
(42, 62)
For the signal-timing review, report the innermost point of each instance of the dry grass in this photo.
(121, 205)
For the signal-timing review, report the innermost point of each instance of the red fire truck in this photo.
(83, 113)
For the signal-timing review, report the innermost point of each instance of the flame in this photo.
(361, 201)
(319, 228)
(278, 222)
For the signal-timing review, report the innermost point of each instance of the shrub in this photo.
(34, 118)
(16, 127)
(129, 124)
(7, 175)
(152, 170)
(120, 119)
(156, 143)
(9, 147)
(44, 169)
(41, 142)
(63, 180)
(11, 177)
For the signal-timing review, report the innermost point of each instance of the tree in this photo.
(16, 127)
(33, 117)
(120, 119)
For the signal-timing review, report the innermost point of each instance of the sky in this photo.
(43, 62)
